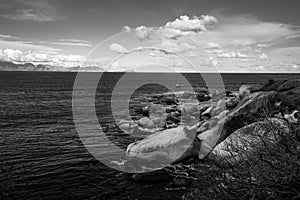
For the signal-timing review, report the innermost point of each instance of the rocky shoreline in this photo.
(201, 128)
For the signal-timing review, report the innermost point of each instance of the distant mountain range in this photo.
(10, 66)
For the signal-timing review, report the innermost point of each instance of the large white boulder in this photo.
(164, 147)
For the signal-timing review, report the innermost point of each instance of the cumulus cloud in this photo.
(18, 56)
(117, 48)
(195, 24)
(295, 67)
(143, 32)
(213, 45)
(263, 56)
(126, 29)
(232, 54)
(11, 54)
(182, 26)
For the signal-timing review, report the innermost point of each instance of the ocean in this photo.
(41, 154)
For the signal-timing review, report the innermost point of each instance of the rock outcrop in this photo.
(174, 145)
(289, 92)
(245, 138)
(223, 126)
(216, 129)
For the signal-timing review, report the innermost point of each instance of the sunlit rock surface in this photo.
(164, 147)
(245, 137)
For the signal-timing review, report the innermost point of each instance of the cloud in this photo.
(33, 10)
(214, 51)
(295, 67)
(70, 42)
(26, 46)
(261, 68)
(14, 55)
(262, 46)
(126, 29)
(213, 45)
(174, 29)
(290, 54)
(293, 36)
(263, 56)
(232, 54)
(195, 24)
(174, 47)
(3, 36)
(10, 54)
(241, 41)
(142, 32)
(244, 60)
(240, 32)
(30, 15)
(117, 48)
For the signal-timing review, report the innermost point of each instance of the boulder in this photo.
(244, 91)
(272, 85)
(160, 121)
(146, 122)
(156, 110)
(207, 112)
(231, 103)
(290, 98)
(163, 148)
(234, 120)
(127, 125)
(288, 85)
(249, 138)
(188, 108)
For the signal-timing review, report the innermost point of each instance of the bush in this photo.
(270, 170)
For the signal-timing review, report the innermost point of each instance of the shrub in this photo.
(270, 170)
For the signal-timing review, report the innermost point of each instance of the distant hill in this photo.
(10, 66)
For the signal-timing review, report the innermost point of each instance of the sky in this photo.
(185, 36)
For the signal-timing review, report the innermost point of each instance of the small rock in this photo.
(146, 122)
(244, 91)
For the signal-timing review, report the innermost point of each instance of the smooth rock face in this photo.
(164, 147)
(244, 138)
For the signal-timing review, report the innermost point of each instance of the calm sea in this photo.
(41, 155)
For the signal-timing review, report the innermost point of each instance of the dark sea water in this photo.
(41, 154)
